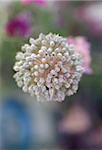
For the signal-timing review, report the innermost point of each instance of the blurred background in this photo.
(74, 124)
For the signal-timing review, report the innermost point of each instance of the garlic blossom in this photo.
(48, 67)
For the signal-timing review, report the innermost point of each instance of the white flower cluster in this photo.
(48, 67)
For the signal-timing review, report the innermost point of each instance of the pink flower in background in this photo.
(91, 15)
(83, 47)
(19, 26)
(26, 2)
(37, 2)
(77, 120)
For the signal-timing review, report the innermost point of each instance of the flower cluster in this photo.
(82, 47)
(48, 67)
